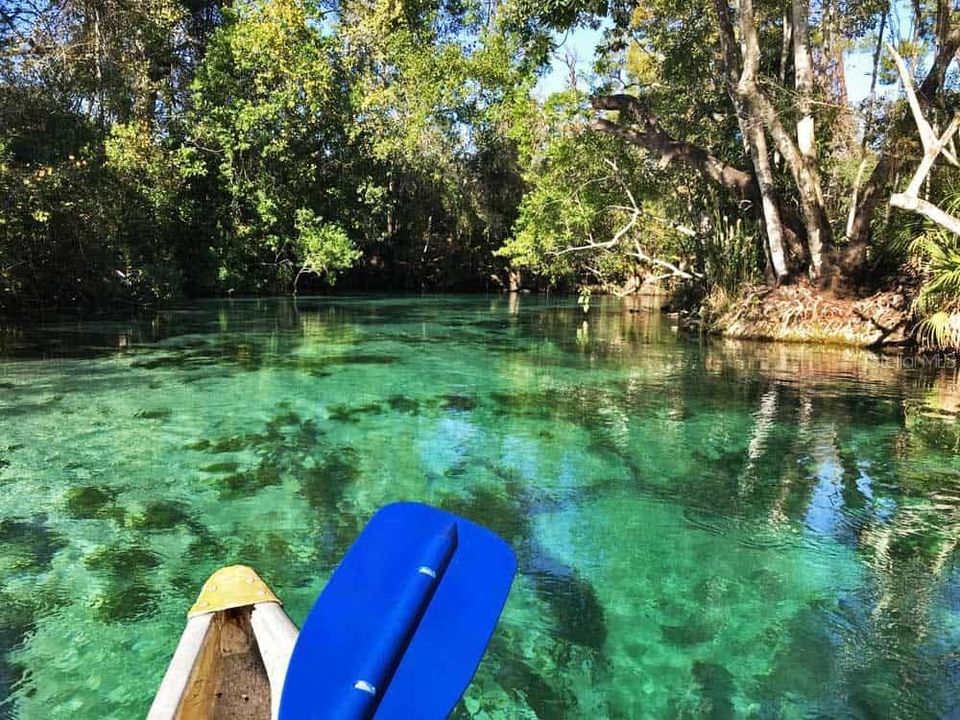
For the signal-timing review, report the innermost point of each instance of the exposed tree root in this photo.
(802, 313)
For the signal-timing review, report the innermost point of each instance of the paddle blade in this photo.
(400, 629)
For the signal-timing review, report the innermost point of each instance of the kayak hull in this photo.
(229, 663)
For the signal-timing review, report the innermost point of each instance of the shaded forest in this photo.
(156, 149)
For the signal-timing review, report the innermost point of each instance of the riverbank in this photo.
(803, 313)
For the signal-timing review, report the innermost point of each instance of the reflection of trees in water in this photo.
(878, 475)
(834, 442)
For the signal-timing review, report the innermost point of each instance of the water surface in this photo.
(704, 529)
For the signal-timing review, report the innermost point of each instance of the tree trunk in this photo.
(800, 155)
(741, 81)
(759, 154)
(803, 72)
(878, 187)
(811, 195)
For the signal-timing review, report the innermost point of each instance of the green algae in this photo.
(352, 413)
(227, 466)
(27, 544)
(91, 501)
(117, 560)
(160, 515)
(248, 482)
(154, 414)
(232, 444)
(128, 592)
(404, 404)
(717, 689)
(324, 484)
(458, 403)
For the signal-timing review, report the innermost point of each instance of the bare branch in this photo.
(640, 254)
(933, 147)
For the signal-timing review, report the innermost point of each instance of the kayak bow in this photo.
(232, 657)
(398, 631)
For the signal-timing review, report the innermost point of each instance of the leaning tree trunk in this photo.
(878, 187)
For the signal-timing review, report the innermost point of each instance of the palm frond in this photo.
(940, 331)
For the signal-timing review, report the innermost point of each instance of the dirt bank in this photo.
(801, 313)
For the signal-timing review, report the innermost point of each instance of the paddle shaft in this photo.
(361, 701)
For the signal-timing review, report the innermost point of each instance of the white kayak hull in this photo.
(231, 661)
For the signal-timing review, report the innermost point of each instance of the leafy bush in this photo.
(937, 254)
(323, 248)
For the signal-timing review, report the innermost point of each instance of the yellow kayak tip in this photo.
(233, 586)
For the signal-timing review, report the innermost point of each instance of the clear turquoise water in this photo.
(705, 530)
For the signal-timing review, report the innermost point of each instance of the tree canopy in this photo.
(185, 147)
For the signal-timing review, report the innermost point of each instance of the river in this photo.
(704, 528)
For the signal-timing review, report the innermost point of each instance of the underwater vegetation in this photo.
(161, 515)
(255, 353)
(27, 548)
(716, 687)
(324, 484)
(128, 589)
(404, 404)
(352, 413)
(87, 502)
(27, 544)
(576, 615)
(154, 414)
(458, 403)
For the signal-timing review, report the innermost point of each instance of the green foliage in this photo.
(193, 147)
(268, 116)
(937, 254)
(574, 199)
(323, 248)
(730, 254)
(150, 150)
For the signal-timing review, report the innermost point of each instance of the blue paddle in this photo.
(400, 629)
